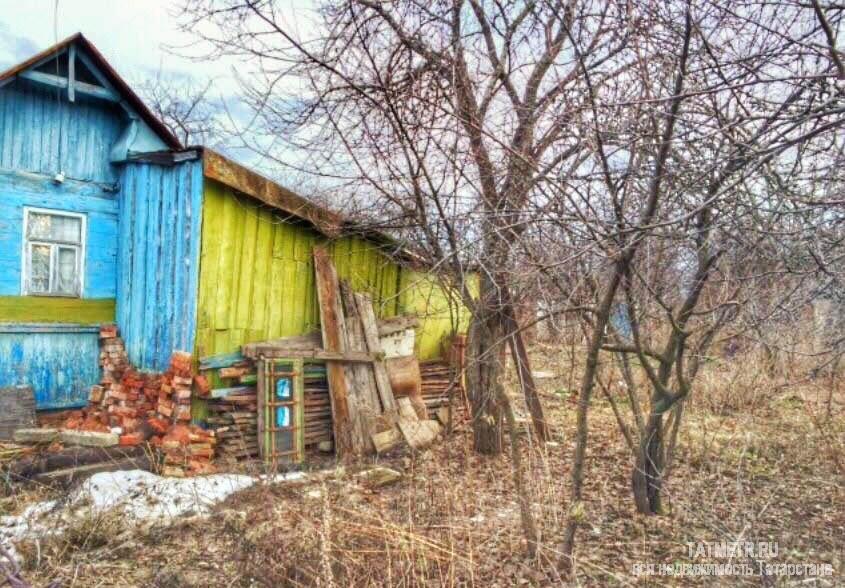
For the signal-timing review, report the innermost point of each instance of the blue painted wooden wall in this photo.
(41, 135)
(158, 267)
(60, 365)
(20, 189)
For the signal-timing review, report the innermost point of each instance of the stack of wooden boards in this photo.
(318, 408)
(441, 385)
(359, 405)
(232, 408)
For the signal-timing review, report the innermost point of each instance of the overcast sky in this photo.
(132, 34)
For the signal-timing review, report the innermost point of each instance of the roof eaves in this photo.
(125, 91)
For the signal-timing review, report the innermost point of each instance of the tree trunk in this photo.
(647, 477)
(485, 351)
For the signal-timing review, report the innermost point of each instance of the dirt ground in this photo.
(770, 469)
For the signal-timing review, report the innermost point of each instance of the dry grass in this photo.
(756, 462)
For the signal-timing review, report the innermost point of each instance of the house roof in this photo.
(215, 165)
(220, 168)
(126, 93)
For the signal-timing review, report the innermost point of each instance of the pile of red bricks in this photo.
(148, 407)
(187, 450)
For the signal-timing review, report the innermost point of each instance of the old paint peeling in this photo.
(257, 273)
(60, 366)
(41, 134)
(158, 273)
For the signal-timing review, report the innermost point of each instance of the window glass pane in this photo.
(66, 228)
(39, 263)
(283, 389)
(283, 416)
(66, 278)
(54, 227)
(38, 226)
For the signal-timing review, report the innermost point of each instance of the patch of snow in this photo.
(142, 496)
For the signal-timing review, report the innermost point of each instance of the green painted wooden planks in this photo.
(257, 275)
(41, 309)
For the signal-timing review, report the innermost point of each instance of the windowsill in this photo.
(38, 295)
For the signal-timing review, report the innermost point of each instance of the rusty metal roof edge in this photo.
(100, 61)
(218, 167)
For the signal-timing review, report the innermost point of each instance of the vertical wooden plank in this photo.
(334, 339)
(195, 215)
(227, 234)
(373, 345)
(247, 275)
(71, 74)
(260, 310)
(299, 410)
(260, 394)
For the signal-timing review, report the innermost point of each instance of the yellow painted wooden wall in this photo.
(440, 314)
(257, 274)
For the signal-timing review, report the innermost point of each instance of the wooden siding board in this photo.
(246, 267)
(40, 309)
(60, 366)
(170, 219)
(263, 259)
(158, 261)
(438, 314)
(33, 121)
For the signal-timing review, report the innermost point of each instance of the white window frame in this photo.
(26, 258)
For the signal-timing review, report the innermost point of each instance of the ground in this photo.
(761, 465)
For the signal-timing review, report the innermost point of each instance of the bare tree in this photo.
(695, 204)
(185, 107)
(630, 161)
(449, 116)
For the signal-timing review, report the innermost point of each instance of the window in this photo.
(53, 252)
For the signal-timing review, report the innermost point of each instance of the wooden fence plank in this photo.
(371, 337)
(333, 330)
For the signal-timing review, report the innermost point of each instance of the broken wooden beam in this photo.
(28, 467)
(373, 345)
(66, 476)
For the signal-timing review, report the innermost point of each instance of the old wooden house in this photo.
(105, 217)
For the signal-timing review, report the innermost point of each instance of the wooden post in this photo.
(370, 326)
(334, 339)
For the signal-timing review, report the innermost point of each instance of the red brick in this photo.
(159, 425)
(202, 385)
(108, 331)
(131, 439)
